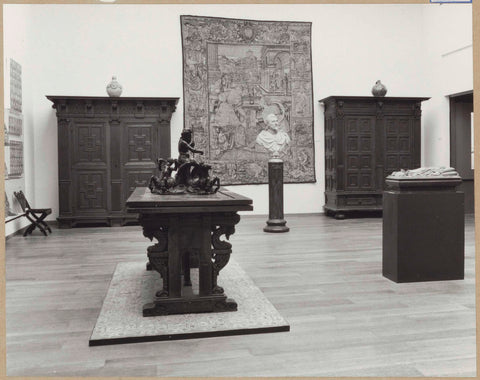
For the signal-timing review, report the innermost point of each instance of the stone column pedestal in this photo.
(276, 221)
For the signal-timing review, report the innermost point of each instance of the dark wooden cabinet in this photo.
(106, 148)
(366, 139)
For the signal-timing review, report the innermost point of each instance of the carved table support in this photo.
(158, 254)
(183, 241)
(190, 230)
(222, 249)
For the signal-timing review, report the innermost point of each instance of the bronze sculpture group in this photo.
(191, 176)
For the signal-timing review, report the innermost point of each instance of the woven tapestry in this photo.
(248, 96)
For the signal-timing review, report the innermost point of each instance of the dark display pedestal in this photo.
(189, 231)
(276, 221)
(423, 230)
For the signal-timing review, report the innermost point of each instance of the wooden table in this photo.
(188, 230)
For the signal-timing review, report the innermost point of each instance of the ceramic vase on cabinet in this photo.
(379, 89)
(114, 89)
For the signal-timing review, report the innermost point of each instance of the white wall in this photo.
(16, 46)
(448, 51)
(77, 48)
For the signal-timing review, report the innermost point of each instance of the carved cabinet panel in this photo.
(90, 190)
(106, 148)
(89, 142)
(366, 139)
(139, 142)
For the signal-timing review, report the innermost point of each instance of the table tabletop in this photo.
(143, 200)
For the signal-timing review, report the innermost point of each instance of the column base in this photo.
(276, 225)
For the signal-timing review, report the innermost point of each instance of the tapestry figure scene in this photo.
(248, 96)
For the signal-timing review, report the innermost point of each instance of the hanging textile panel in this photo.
(248, 96)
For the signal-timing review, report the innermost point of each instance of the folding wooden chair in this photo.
(34, 215)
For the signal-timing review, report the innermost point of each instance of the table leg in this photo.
(205, 259)
(187, 233)
(174, 259)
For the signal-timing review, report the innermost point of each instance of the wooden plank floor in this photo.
(324, 277)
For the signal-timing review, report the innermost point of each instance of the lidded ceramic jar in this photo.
(379, 89)
(114, 88)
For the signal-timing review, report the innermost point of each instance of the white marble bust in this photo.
(273, 139)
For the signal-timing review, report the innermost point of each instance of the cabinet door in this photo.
(89, 166)
(398, 140)
(139, 154)
(359, 153)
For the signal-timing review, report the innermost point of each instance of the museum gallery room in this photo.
(239, 190)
